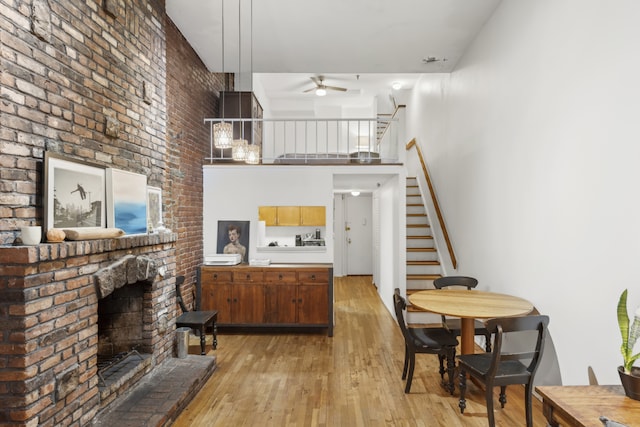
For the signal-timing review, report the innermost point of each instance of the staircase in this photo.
(423, 266)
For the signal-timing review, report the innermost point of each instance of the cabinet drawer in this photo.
(248, 276)
(215, 276)
(287, 277)
(308, 277)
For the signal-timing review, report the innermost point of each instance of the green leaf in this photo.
(623, 323)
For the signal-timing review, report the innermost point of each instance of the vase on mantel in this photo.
(630, 382)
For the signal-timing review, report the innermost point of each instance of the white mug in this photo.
(31, 235)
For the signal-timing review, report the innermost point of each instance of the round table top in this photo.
(470, 303)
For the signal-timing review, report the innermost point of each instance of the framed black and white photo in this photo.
(74, 193)
(127, 201)
(233, 238)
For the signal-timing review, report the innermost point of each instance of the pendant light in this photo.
(240, 145)
(223, 131)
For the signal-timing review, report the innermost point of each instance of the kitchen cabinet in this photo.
(281, 295)
(236, 296)
(312, 215)
(288, 215)
(292, 216)
(268, 214)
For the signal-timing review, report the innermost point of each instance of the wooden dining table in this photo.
(468, 305)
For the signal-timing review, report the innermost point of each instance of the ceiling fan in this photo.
(321, 89)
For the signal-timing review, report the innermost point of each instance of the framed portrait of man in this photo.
(233, 238)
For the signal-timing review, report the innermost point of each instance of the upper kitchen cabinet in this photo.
(288, 215)
(243, 105)
(292, 216)
(313, 215)
(268, 214)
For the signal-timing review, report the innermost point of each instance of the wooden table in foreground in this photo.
(469, 305)
(582, 406)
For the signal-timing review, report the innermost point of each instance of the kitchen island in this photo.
(274, 296)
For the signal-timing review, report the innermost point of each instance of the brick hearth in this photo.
(49, 296)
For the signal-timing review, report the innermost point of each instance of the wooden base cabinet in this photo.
(291, 295)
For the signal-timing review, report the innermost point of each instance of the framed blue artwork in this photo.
(127, 201)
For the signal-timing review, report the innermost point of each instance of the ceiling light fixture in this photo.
(240, 146)
(239, 149)
(355, 193)
(321, 91)
(396, 85)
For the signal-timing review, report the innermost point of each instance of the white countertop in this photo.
(291, 248)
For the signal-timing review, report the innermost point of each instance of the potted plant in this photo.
(629, 374)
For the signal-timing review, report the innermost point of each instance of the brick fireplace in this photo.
(64, 304)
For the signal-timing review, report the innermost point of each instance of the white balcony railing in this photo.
(314, 141)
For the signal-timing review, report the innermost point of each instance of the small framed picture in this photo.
(74, 193)
(154, 207)
(233, 238)
(127, 201)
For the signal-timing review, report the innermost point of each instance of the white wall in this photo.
(235, 192)
(532, 143)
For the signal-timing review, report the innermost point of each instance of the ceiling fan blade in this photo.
(309, 90)
(316, 80)
(341, 89)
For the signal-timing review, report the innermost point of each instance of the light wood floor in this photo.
(352, 379)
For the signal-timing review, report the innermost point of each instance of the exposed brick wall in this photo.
(192, 96)
(66, 67)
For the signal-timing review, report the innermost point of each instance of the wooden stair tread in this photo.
(416, 214)
(421, 250)
(423, 276)
(420, 237)
(423, 262)
(418, 226)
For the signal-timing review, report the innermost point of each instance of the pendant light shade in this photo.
(239, 149)
(253, 155)
(222, 135)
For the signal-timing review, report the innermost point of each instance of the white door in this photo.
(358, 233)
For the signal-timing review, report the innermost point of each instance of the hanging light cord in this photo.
(224, 77)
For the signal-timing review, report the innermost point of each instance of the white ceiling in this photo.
(362, 45)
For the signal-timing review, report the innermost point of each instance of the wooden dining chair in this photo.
(199, 320)
(505, 368)
(454, 325)
(436, 340)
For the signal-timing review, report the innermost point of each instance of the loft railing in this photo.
(436, 205)
(313, 141)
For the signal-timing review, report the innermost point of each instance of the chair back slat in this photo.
(443, 282)
(179, 282)
(400, 304)
(498, 327)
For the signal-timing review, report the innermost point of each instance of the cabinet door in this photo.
(216, 292)
(268, 214)
(280, 303)
(312, 215)
(313, 305)
(248, 303)
(280, 295)
(289, 215)
(313, 297)
(217, 296)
